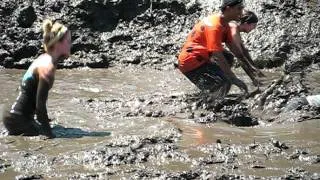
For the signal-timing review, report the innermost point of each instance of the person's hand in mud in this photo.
(236, 81)
(256, 82)
(47, 131)
(44, 127)
(254, 74)
(258, 72)
(51, 119)
(257, 79)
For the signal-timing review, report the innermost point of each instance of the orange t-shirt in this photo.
(205, 38)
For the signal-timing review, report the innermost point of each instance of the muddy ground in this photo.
(162, 131)
(150, 33)
(142, 118)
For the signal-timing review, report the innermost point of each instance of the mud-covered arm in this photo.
(44, 86)
(249, 58)
(242, 53)
(237, 48)
(42, 96)
(246, 53)
(244, 63)
(220, 60)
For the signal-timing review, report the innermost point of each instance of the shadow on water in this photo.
(63, 132)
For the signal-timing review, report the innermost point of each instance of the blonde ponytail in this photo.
(52, 33)
(47, 26)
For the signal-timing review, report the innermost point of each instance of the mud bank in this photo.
(150, 33)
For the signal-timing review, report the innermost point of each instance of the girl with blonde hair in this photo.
(36, 83)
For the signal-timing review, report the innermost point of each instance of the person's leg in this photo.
(19, 125)
(226, 88)
(207, 78)
(32, 129)
(229, 57)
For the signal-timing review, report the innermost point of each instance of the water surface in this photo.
(79, 130)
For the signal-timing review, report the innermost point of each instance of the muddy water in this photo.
(96, 145)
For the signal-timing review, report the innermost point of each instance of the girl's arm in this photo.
(46, 77)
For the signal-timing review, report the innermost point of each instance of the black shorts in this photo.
(208, 77)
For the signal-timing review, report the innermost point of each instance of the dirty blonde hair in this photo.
(52, 33)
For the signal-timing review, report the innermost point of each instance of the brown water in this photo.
(87, 130)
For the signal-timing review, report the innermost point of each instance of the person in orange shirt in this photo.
(203, 59)
(248, 22)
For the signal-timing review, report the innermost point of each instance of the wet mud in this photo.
(140, 117)
(164, 131)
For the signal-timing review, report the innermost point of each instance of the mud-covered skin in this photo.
(137, 32)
